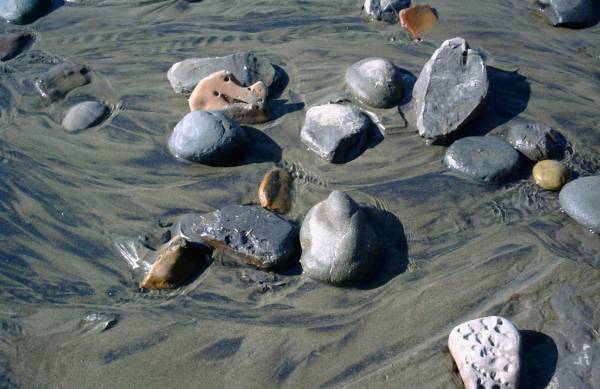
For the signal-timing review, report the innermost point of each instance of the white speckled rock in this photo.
(486, 352)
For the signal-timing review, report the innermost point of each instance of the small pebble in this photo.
(274, 191)
(85, 115)
(550, 174)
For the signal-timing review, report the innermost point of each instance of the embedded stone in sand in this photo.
(274, 191)
(418, 19)
(61, 79)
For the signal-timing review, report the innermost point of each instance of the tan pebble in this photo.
(550, 174)
(418, 19)
(274, 191)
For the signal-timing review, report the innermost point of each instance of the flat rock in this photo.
(221, 91)
(339, 246)
(418, 19)
(246, 67)
(550, 174)
(486, 352)
(12, 45)
(536, 141)
(207, 137)
(85, 115)
(483, 158)
(450, 90)
(580, 199)
(23, 11)
(386, 10)
(336, 132)
(376, 82)
(249, 232)
(568, 12)
(274, 191)
(61, 79)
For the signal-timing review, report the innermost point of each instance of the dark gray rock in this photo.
(376, 82)
(339, 246)
(386, 10)
(23, 11)
(12, 45)
(249, 232)
(483, 158)
(580, 199)
(246, 67)
(450, 90)
(61, 79)
(85, 115)
(336, 132)
(568, 12)
(207, 137)
(536, 141)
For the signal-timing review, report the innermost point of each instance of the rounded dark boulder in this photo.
(580, 199)
(376, 82)
(23, 11)
(536, 141)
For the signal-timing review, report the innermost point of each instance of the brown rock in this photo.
(274, 191)
(550, 174)
(175, 262)
(221, 91)
(12, 45)
(418, 19)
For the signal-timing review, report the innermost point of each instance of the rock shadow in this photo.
(261, 148)
(282, 82)
(409, 80)
(280, 107)
(539, 356)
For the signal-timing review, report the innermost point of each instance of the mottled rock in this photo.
(221, 91)
(336, 132)
(536, 141)
(85, 115)
(207, 137)
(248, 232)
(486, 352)
(274, 191)
(246, 67)
(376, 82)
(483, 158)
(418, 19)
(23, 11)
(580, 199)
(450, 90)
(61, 79)
(386, 10)
(339, 246)
(12, 45)
(550, 174)
(568, 12)
(176, 261)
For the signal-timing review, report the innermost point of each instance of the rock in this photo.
(339, 246)
(580, 199)
(386, 10)
(246, 67)
(175, 263)
(336, 132)
(483, 158)
(418, 19)
(23, 11)
(248, 232)
(207, 137)
(568, 12)
(12, 45)
(274, 191)
(550, 174)
(61, 79)
(486, 352)
(536, 141)
(376, 82)
(85, 115)
(221, 91)
(450, 90)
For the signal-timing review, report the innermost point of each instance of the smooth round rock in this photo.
(536, 141)
(550, 174)
(482, 158)
(376, 82)
(339, 246)
(568, 12)
(84, 115)
(207, 137)
(23, 11)
(580, 199)
(274, 191)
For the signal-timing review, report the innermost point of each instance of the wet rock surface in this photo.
(221, 91)
(418, 19)
(207, 137)
(580, 199)
(247, 68)
(339, 246)
(386, 10)
(85, 115)
(483, 158)
(568, 12)
(274, 191)
(536, 141)
(62, 79)
(550, 174)
(336, 132)
(23, 11)
(248, 232)
(486, 352)
(12, 45)
(376, 82)
(450, 90)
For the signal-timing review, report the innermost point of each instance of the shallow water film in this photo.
(74, 206)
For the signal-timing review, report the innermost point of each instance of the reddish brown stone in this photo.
(418, 19)
(274, 191)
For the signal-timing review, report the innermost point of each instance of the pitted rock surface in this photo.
(61, 79)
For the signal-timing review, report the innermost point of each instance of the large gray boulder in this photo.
(386, 10)
(568, 12)
(85, 115)
(450, 90)
(536, 141)
(23, 11)
(207, 137)
(376, 82)
(336, 132)
(580, 199)
(339, 246)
